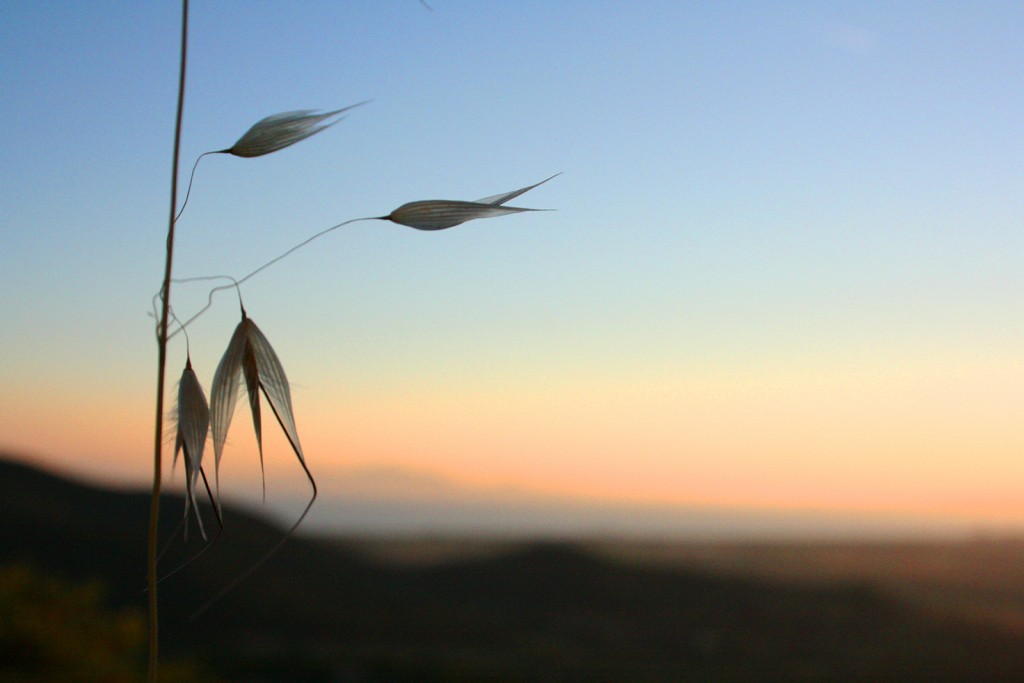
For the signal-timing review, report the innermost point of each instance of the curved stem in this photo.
(165, 294)
(192, 177)
(237, 283)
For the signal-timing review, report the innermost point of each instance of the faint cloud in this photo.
(849, 38)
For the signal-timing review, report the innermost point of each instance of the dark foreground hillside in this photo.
(321, 611)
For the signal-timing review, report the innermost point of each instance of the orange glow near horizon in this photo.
(900, 438)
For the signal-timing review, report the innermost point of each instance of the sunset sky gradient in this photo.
(784, 270)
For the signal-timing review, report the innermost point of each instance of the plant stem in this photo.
(237, 283)
(154, 505)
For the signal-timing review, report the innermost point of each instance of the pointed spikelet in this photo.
(224, 394)
(193, 426)
(438, 214)
(251, 356)
(499, 199)
(282, 130)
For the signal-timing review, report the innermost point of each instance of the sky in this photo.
(782, 274)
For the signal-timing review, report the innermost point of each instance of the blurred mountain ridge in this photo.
(324, 609)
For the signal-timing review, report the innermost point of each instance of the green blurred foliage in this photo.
(52, 630)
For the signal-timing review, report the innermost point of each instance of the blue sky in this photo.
(784, 270)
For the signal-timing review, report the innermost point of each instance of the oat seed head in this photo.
(438, 214)
(282, 130)
(249, 355)
(193, 417)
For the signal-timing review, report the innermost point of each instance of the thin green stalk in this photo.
(154, 505)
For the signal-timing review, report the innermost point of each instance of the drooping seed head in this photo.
(250, 356)
(193, 425)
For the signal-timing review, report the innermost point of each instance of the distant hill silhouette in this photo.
(321, 611)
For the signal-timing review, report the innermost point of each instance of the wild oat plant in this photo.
(249, 358)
